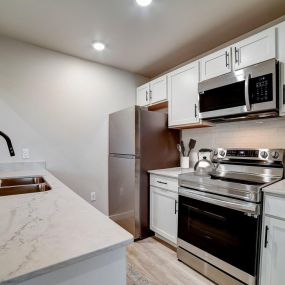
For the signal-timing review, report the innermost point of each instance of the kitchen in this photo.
(57, 99)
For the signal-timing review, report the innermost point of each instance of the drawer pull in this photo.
(175, 209)
(266, 236)
(161, 182)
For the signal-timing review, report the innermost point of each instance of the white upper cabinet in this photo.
(158, 89)
(143, 96)
(255, 49)
(153, 92)
(183, 95)
(216, 64)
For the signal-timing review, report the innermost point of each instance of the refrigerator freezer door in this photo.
(122, 132)
(124, 192)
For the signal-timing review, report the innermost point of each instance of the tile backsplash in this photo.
(269, 133)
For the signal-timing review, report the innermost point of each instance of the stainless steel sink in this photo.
(23, 185)
(21, 181)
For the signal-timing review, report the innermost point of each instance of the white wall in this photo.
(58, 106)
(268, 133)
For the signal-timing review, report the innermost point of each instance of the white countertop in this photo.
(41, 232)
(171, 172)
(277, 188)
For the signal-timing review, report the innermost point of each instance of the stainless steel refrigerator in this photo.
(139, 140)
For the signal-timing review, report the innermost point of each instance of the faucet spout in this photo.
(9, 143)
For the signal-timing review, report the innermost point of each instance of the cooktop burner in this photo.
(241, 173)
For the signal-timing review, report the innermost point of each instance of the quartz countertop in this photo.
(277, 188)
(44, 231)
(171, 172)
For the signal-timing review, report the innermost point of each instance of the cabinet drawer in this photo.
(167, 183)
(274, 206)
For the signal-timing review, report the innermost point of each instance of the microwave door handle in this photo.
(246, 93)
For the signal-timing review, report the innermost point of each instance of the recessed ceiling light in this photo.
(98, 46)
(144, 3)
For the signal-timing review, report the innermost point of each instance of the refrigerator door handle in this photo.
(119, 155)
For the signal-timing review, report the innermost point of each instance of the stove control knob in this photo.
(222, 153)
(264, 154)
(215, 152)
(275, 154)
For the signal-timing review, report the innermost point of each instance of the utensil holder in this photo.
(184, 162)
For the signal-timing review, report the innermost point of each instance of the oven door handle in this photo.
(246, 207)
(246, 93)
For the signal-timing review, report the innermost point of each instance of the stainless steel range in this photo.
(219, 221)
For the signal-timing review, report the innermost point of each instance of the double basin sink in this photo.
(22, 185)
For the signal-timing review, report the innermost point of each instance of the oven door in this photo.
(225, 237)
(248, 90)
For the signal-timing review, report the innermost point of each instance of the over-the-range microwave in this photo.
(242, 94)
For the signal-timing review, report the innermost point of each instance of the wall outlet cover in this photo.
(93, 196)
(25, 153)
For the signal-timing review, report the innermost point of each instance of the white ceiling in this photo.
(147, 41)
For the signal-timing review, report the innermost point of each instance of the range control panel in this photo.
(242, 153)
(249, 154)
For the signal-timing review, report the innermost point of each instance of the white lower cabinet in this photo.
(273, 243)
(163, 213)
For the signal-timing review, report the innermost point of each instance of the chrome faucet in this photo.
(9, 143)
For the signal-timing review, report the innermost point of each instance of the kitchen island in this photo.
(55, 237)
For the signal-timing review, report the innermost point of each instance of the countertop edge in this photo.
(277, 189)
(162, 174)
(66, 263)
(70, 261)
(172, 172)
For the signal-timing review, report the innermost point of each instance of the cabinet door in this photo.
(183, 95)
(273, 257)
(158, 89)
(216, 64)
(281, 58)
(143, 95)
(163, 213)
(255, 49)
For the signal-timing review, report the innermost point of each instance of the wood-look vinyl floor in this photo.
(157, 264)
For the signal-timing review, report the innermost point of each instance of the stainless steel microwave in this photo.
(246, 93)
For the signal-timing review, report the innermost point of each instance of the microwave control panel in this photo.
(261, 89)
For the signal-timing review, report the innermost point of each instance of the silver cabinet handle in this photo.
(176, 209)
(227, 59)
(195, 110)
(146, 97)
(150, 95)
(246, 93)
(236, 55)
(160, 182)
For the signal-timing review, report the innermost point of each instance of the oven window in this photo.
(225, 233)
(224, 97)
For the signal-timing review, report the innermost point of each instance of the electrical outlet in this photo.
(93, 196)
(25, 153)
